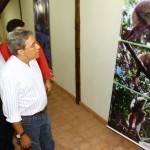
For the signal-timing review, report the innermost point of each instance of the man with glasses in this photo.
(6, 129)
(23, 93)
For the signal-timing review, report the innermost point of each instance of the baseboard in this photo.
(95, 115)
(82, 105)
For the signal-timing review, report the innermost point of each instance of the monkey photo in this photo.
(140, 21)
(130, 106)
(140, 33)
(137, 115)
(145, 61)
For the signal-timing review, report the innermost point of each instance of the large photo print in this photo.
(130, 103)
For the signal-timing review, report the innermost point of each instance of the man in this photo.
(6, 130)
(23, 93)
(19, 24)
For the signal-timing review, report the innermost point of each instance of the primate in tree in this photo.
(145, 60)
(140, 21)
(137, 115)
(141, 29)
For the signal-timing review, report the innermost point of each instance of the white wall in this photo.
(62, 39)
(11, 11)
(1, 30)
(62, 15)
(27, 14)
(100, 24)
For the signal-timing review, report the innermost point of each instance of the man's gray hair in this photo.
(17, 39)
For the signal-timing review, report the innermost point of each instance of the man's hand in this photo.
(48, 86)
(25, 141)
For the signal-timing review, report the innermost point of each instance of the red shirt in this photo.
(41, 60)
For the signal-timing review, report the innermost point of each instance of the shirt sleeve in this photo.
(2, 61)
(10, 100)
(43, 65)
(5, 51)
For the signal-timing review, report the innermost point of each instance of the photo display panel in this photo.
(129, 113)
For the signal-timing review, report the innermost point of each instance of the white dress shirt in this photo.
(22, 89)
(2, 61)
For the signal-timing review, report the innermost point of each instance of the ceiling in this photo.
(3, 3)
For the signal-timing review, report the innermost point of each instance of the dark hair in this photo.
(12, 24)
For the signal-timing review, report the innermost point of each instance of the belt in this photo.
(38, 113)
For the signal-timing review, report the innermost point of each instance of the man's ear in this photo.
(20, 52)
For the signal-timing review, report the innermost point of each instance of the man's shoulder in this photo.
(9, 64)
(8, 71)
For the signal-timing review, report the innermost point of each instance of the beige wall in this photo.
(62, 39)
(27, 14)
(63, 42)
(100, 24)
(11, 11)
(1, 30)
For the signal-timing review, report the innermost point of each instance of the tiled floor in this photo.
(74, 128)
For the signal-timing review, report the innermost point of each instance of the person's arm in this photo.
(10, 97)
(44, 69)
(5, 51)
(25, 140)
(48, 86)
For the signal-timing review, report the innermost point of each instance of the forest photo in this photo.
(130, 103)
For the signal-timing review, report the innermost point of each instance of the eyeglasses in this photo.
(32, 46)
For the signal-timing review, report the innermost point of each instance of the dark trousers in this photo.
(6, 132)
